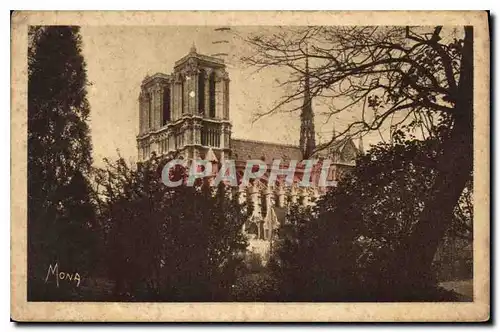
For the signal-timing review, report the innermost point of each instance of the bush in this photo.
(349, 246)
(169, 244)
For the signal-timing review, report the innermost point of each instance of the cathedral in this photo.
(187, 113)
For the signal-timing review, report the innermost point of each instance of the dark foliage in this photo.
(60, 214)
(347, 247)
(168, 244)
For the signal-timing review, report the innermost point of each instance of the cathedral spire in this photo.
(307, 133)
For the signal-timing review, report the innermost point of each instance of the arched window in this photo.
(150, 110)
(211, 94)
(226, 100)
(182, 95)
(210, 135)
(166, 105)
(201, 92)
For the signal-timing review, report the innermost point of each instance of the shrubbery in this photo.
(169, 244)
(347, 248)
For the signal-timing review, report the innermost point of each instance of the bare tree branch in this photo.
(369, 68)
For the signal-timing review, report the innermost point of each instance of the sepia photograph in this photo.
(251, 163)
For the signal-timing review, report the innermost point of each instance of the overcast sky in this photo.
(118, 59)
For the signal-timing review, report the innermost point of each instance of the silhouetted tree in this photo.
(168, 244)
(347, 248)
(60, 215)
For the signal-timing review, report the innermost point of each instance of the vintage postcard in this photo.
(250, 166)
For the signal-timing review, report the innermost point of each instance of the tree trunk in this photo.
(454, 169)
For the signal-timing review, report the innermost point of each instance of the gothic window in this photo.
(145, 152)
(226, 100)
(166, 105)
(211, 94)
(180, 139)
(201, 92)
(182, 95)
(150, 110)
(164, 146)
(204, 138)
(210, 136)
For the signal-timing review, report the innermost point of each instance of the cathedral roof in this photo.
(249, 149)
(243, 149)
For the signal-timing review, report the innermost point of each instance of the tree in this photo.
(60, 215)
(170, 244)
(390, 73)
(346, 249)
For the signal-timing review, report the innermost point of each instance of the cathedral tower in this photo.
(186, 112)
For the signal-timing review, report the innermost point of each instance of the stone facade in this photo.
(187, 111)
